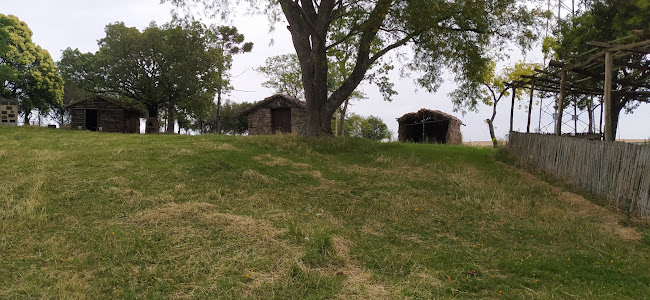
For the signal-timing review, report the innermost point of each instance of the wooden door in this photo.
(281, 120)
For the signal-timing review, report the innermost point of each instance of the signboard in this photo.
(8, 112)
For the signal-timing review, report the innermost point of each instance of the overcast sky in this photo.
(80, 23)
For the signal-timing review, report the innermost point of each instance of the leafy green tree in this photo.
(283, 75)
(72, 61)
(172, 67)
(371, 127)
(232, 121)
(457, 35)
(605, 21)
(227, 41)
(489, 90)
(27, 71)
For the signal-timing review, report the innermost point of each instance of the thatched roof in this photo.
(103, 98)
(265, 101)
(427, 113)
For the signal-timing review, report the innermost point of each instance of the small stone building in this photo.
(100, 113)
(8, 112)
(276, 114)
(430, 126)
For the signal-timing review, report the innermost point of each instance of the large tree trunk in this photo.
(170, 120)
(308, 28)
(26, 119)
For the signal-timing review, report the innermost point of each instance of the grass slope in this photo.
(97, 215)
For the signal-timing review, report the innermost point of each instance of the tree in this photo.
(232, 121)
(456, 34)
(72, 64)
(283, 73)
(605, 21)
(490, 90)
(173, 67)
(27, 71)
(371, 127)
(227, 41)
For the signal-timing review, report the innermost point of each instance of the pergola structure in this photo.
(617, 70)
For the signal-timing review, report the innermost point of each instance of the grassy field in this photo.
(108, 216)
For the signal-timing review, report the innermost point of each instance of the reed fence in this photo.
(618, 171)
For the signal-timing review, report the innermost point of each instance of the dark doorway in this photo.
(91, 119)
(281, 120)
(427, 131)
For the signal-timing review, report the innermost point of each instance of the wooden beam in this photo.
(607, 98)
(530, 105)
(560, 105)
(512, 107)
(599, 44)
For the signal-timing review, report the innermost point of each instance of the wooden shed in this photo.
(276, 114)
(430, 126)
(101, 113)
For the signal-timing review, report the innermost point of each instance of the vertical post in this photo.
(512, 107)
(560, 105)
(607, 98)
(600, 127)
(539, 121)
(575, 118)
(530, 105)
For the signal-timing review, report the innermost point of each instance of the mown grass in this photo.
(97, 215)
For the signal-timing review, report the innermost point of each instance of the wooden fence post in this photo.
(560, 105)
(512, 107)
(530, 105)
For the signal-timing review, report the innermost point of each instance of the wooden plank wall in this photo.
(618, 171)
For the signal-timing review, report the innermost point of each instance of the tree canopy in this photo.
(370, 127)
(27, 71)
(227, 41)
(172, 67)
(459, 36)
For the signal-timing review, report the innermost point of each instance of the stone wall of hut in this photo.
(454, 135)
(259, 120)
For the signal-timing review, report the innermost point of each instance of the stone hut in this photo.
(276, 114)
(430, 126)
(9, 112)
(100, 113)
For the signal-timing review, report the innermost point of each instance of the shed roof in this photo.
(263, 102)
(103, 98)
(428, 112)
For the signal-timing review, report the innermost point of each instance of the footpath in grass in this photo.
(99, 215)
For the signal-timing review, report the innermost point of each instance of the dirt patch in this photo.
(257, 177)
(609, 221)
(357, 284)
(271, 160)
(226, 147)
(117, 181)
(185, 152)
(218, 243)
(275, 161)
(205, 213)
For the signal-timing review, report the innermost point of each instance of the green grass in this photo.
(97, 215)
